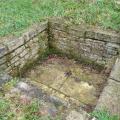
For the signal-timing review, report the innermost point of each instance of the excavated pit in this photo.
(68, 80)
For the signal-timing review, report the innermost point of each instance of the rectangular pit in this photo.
(78, 78)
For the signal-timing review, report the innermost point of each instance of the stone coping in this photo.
(110, 97)
(115, 73)
(86, 31)
(15, 43)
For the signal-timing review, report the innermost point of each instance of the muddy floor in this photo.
(68, 79)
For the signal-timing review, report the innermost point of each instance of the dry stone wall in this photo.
(16, 53)
(79, 41)
(82, 42)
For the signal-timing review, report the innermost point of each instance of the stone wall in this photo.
(16, 53)
(83, 42)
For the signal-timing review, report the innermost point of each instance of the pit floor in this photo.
(68, 78)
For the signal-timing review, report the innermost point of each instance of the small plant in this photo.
(104, 115)
(12, 109)
(5, 112)
(31, 111)
(4, 105)
(7, 86)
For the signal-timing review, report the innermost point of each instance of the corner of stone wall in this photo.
(16, 53)
(99, 46)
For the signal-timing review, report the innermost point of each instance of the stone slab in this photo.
(102, 35)
(81, 91)
(115, 73)
(9, 45)
(110, 98)
(49, 76)
(85, 31)
(74, 115)
(4, 78)
(2, 50)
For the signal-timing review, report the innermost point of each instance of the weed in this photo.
(7, 86)
(12, 110)
(104, 115)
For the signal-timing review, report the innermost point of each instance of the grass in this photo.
(17, 15)
(14, 107)
(104, 115)
(9, 85)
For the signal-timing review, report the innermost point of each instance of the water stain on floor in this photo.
(70, 78)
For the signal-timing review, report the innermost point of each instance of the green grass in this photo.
(17, 15)
(9, 85)
(104, 115)
(12, 109)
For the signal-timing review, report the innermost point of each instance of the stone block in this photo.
(8, 70)
(74, 115)
(115, 73)
(72, 30)
(42, 27)
(112, 49)
(20, 50)
(4, 78)
(22, 54)
(3, 67)
(26, 56)
(17, 63)
(15, 59)
(14, 43)
(3, 50)
(3, 60)
(110, 98)
(103, 35)
(35, 30)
